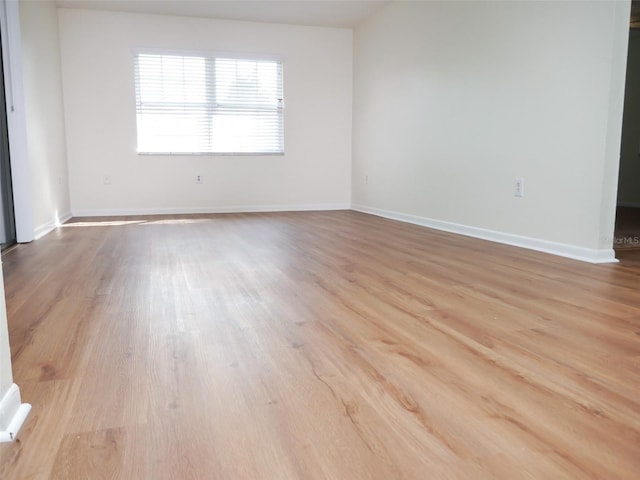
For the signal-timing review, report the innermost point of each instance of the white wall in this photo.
(44, 114)
(99, 99)
(6, 376)
(12, 411)
(454, 100)
(629, 188)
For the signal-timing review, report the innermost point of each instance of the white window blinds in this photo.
(198, 104)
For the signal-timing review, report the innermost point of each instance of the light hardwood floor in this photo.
(325, 345)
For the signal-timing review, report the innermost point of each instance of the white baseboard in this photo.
(197, 210)
(42, 230)
(554, 248)
(12, 414)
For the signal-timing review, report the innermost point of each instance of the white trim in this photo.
(42, 230)
(629, 204)
(197, 210)
(561, 249)
(12, 414)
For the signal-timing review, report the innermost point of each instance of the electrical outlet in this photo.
(366, 179)
(198, 178)
(106, 180)
(518, 189)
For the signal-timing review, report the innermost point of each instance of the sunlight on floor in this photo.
(112, 223)
(108, 223)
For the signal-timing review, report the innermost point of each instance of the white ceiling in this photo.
(321, 13)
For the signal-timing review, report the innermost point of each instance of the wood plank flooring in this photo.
(324, 345)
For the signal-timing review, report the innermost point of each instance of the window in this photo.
(202, 104)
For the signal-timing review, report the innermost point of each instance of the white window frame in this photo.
(211, 102)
